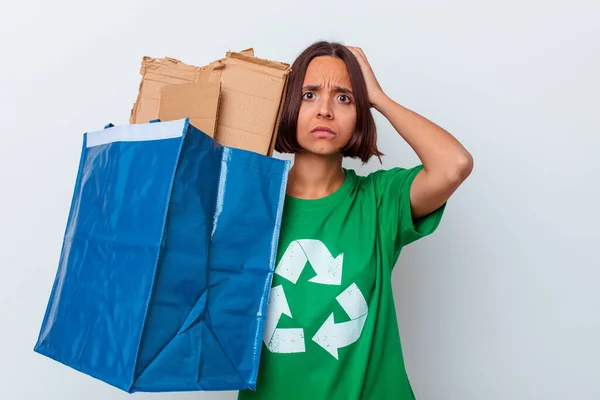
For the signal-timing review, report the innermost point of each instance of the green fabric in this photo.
(345, 347)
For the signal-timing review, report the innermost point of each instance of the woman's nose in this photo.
(325, 109)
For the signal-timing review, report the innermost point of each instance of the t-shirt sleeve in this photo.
(397, 225)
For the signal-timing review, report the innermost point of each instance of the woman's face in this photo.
(327, 116)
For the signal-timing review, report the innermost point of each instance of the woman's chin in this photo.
(322, 150)
(322, 147)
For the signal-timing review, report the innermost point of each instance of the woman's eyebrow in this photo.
(339, 89)
(312, 88)
(342, 89)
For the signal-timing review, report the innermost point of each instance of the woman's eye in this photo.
(308, 95)
(344, 98)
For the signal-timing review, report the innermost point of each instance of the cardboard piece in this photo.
(252, 91)
(250, 101)
(197, 101)
(156, 74)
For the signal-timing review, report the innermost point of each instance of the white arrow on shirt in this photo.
(332, 336)
(293, 261)
(280, 340)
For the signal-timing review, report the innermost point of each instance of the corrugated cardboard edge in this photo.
(259, 61)
(150, 62)
(248, 52)
(211, 72)
(278, 120)
(217, 66)
(218, 111)
(136, 105)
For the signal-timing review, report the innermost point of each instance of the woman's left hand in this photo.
(374, 90)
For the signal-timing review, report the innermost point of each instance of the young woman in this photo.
(331, 329)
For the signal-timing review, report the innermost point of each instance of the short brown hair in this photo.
(363, 143)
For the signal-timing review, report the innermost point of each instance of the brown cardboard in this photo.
(251, 96)
(276, 127)
(156, 74)
(250, 102)
(160, 72)
(197, 101)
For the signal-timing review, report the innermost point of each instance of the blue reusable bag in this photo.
(167, 261)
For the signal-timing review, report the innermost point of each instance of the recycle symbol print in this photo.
(330, 336)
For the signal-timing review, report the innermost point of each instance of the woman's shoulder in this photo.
(381, 176)
(391, 182)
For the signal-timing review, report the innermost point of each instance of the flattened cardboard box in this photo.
(250, 101)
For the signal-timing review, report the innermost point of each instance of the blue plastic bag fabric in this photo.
(167, 261)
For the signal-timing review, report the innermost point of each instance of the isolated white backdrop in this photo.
(503, 302)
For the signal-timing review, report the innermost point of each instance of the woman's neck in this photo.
(315, 176)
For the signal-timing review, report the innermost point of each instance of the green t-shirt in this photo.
(331, 330)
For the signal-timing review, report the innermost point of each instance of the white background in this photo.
(503, 302)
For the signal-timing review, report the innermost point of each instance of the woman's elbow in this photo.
(461, 169)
